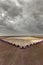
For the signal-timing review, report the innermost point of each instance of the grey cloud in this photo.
(25, 20)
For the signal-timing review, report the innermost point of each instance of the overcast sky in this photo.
(21, 18)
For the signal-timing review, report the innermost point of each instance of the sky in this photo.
(21, 19)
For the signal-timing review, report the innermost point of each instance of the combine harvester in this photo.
(21, 42)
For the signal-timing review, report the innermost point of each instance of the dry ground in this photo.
(11, 55)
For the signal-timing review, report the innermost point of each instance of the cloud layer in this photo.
(24, 20)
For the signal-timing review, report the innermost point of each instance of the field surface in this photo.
(11, 55)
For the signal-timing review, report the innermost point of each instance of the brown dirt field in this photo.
(11, 55)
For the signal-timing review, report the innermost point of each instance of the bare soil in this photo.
(11, 55)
